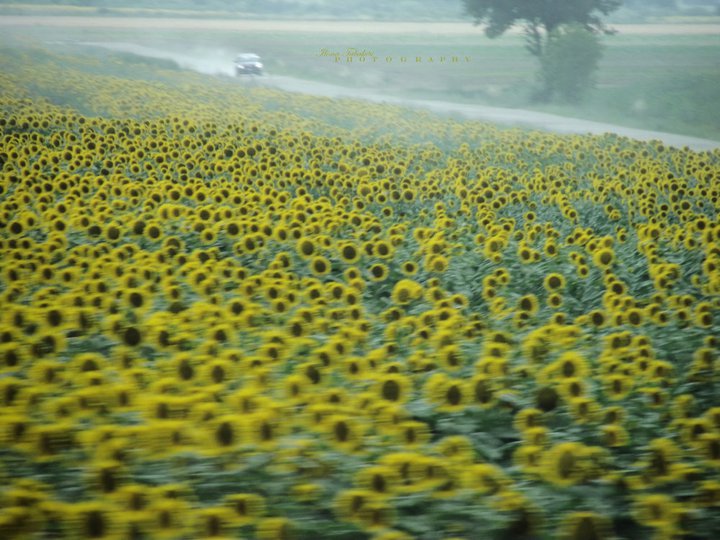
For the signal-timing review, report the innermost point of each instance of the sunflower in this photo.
(393, 387)
(547, 398)
(348, 503)
(48, 442)
(707, 445)
(634, 316)
(320, 266)
(569, 365)
(572, 387)
(604, 257)
(376, 515)
(343, 432)
(528, 304)
(43, 372)
(307, 492)
(661, 461)
(448, 481)
(349, 253)
(130, 335)
(483, 392)
(47, 342)
(527, 418)
(388, 416)
(168, 518)
(218, 371)
(565, 464)
(485, 478)
(618, 387)
(409, 268)
(378, 272)
(213, 522)
(703, 319)
(306, 247)
(413, 433)
(585, 525)
(224, 434)
(615, 436)
(14, 430)
(656, 510)
(153, 231)
(583, 409)
(381, 480)
(451, 396)
(457, 448)
(493, 247)
(247, 508)
(437, 264)
(597, 318)
(451, 357)
(383, 249)
(537, 436)
(184, 366)
(405, 291)
(708, 494)
(527, 458)
(92, 520)
(133, 499)
(264, 429)
(56, 318)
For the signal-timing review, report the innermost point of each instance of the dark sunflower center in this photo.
(225, 434)
(95, 523)
(454, 396)
(342, 431)
(131, 336)
(391, 390)
(566, 465)
(547, 399)
(378, 483)
(186, 371)
(218, 374)
(213, 526)
(585, 530)
(108, 481)
(714, 450)
(357, 503)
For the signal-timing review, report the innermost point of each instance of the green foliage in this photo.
(552, 30)
(547, 15)
(568, 63)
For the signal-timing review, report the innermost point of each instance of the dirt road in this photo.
(218, 65)
(513, 117)
(498, 115)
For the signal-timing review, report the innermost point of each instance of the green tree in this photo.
(560, 33)
(568, 63)
(539, 17)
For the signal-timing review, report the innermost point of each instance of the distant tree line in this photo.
(426, 10)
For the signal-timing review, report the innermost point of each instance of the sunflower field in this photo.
(232, 312)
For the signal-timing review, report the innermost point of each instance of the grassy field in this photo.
(237, 312)
(661, 82)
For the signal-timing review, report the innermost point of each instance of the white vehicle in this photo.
(248, 64)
